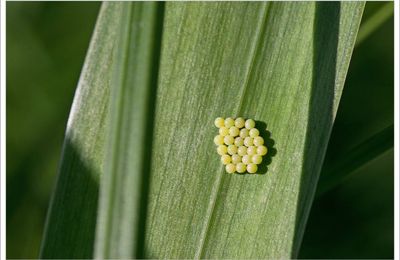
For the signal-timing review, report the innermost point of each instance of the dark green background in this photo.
(46, 45)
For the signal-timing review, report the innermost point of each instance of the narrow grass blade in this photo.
(281, 63)
(127, 163)
(334, 173)
(71, 220)
(375, 21)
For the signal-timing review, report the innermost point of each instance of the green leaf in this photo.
(283, 64)
(71, 220)
(347, 162)
(127, 162)
(375, 21)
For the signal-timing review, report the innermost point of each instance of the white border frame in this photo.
(3, 130)
(396, 130)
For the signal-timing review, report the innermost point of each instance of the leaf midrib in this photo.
(120, 112)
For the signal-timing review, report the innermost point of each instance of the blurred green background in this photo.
(46, 46)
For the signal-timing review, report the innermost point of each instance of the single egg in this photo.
(219, 122)
(246, 159)
(222, 149)
(262, 150)
(239, 141)
(234, 131)
(230, 168)
(229, 122)
(244, 133)
(251, 150)
(240, 167)
(232, 149)
(228, 139)
(257, 159)
(254, 132)
(249, 124)
(242, 150)
(219, 140)
(226, 159)
(252, 168)
(258, 140)
(248, 141)
(224, 131)
(239, 122)
(236, 159)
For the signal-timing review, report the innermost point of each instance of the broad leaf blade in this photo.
(283, 64)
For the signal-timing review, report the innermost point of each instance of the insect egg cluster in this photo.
(240, 145)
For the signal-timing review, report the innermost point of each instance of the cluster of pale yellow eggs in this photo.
(240, 145)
